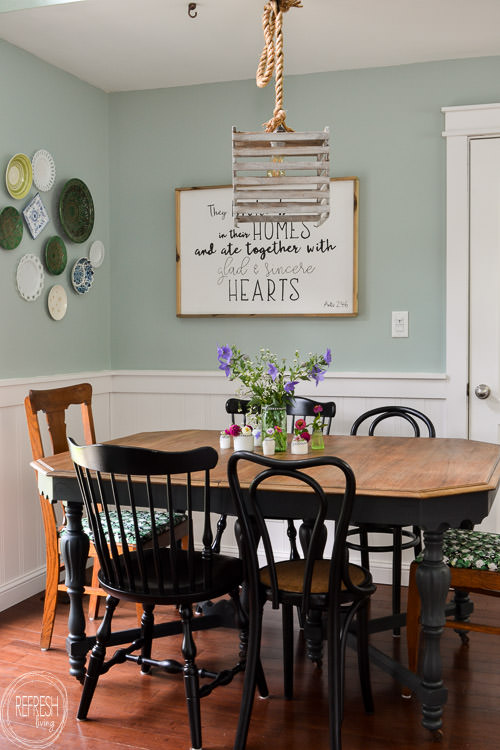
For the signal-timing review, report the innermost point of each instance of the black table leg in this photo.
(74, 551)
(433, 581)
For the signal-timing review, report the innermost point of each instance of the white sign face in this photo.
(268, 268)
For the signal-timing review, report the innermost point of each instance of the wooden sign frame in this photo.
(265, 269)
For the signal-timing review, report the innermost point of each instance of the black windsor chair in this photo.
(331, 586)
(159, 575)
(413, 538)
(304, 407)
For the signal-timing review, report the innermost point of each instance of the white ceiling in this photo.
(123, 45)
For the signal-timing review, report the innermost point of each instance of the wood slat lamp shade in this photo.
(281, 176)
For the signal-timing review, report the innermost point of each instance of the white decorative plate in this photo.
(57, 302)
(44, 170)
(29, 277)
(82, 276)
(96, 253)
(36, 216)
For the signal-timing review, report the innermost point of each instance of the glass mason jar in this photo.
(317, 442)
(275, 416)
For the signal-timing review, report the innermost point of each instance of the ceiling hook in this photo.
(192, 13)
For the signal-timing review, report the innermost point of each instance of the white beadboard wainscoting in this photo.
(125, 402)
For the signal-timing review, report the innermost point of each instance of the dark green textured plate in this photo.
(56, 256)
(76, 210)
(11, 228)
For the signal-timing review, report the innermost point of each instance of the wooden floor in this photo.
(134, 711)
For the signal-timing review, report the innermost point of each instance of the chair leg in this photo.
(363, 541)
(50, 600)
(96, 660)
(397, 542)
(94, 599)
(191, 681)
(253, 672)
(287, 622)
(147, 625)
(335, 680)
(363, 658)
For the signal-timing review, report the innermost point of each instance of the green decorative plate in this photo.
(11, 228)
(56, 256)
(19, 176)
(76, 210)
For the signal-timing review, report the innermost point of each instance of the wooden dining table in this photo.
(433, 484)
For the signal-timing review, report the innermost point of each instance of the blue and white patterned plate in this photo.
(82, 276)
(36, 216)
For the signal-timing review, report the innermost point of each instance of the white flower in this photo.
(246, 430)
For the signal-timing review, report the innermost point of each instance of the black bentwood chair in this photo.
(413, 538)
(331, 586)
(160, 575)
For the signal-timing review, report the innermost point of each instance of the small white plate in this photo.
(29, 277)
(44, 170)
(96, 253)
(57, 302)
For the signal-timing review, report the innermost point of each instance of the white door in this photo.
(484, 327)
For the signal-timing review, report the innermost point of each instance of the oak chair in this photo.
(415, 419)
(333, 586)
(473, 558)
(54, 403)
(161, 575)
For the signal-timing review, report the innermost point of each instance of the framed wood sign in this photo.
(268, 268)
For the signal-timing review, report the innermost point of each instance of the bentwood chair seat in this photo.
(400, 538)
(114, 478)
(473, 558)
(330, 586)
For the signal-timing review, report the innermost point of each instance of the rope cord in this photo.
(272, 57)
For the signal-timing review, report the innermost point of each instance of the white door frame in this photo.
(461, 124)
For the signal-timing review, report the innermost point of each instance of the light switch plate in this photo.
(399, 324)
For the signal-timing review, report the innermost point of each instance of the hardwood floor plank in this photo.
(131, 711)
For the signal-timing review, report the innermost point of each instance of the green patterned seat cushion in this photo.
(470, 549)
(162, 519)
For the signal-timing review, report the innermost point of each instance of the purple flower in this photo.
(328, 356)
(318, 409)
(290, 386)
(317, 374)
(224, 354)
(272, 371)
(226, 368)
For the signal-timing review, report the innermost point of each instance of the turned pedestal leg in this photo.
(74, 551)
(433, 581)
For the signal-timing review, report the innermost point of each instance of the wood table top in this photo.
(389, 466)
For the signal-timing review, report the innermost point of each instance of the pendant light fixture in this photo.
(279, 175)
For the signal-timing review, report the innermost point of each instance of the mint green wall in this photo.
(386, 128)
(134, 149)
(42, 107)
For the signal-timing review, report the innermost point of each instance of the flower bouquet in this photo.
(269, 382)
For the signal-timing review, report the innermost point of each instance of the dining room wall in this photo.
(386, 128)
(43, 107)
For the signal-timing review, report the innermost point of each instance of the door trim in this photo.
(461, 125)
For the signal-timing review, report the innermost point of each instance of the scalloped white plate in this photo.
(44, 170)
(29, 277)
